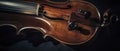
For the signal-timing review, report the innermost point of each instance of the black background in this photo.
(107, 38)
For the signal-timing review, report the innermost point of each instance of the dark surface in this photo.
(107, 38)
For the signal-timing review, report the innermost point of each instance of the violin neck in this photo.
(19, 7)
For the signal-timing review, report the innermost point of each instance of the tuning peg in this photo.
(86, 14)
(114, 18)
(72, 26)
(109, 17)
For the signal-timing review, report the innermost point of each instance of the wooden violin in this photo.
(75, 25)
(72, 20)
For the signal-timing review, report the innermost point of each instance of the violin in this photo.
(72, 25)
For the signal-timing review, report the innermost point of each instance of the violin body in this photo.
(61, 30)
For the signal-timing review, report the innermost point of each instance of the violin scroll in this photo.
(109, 18)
